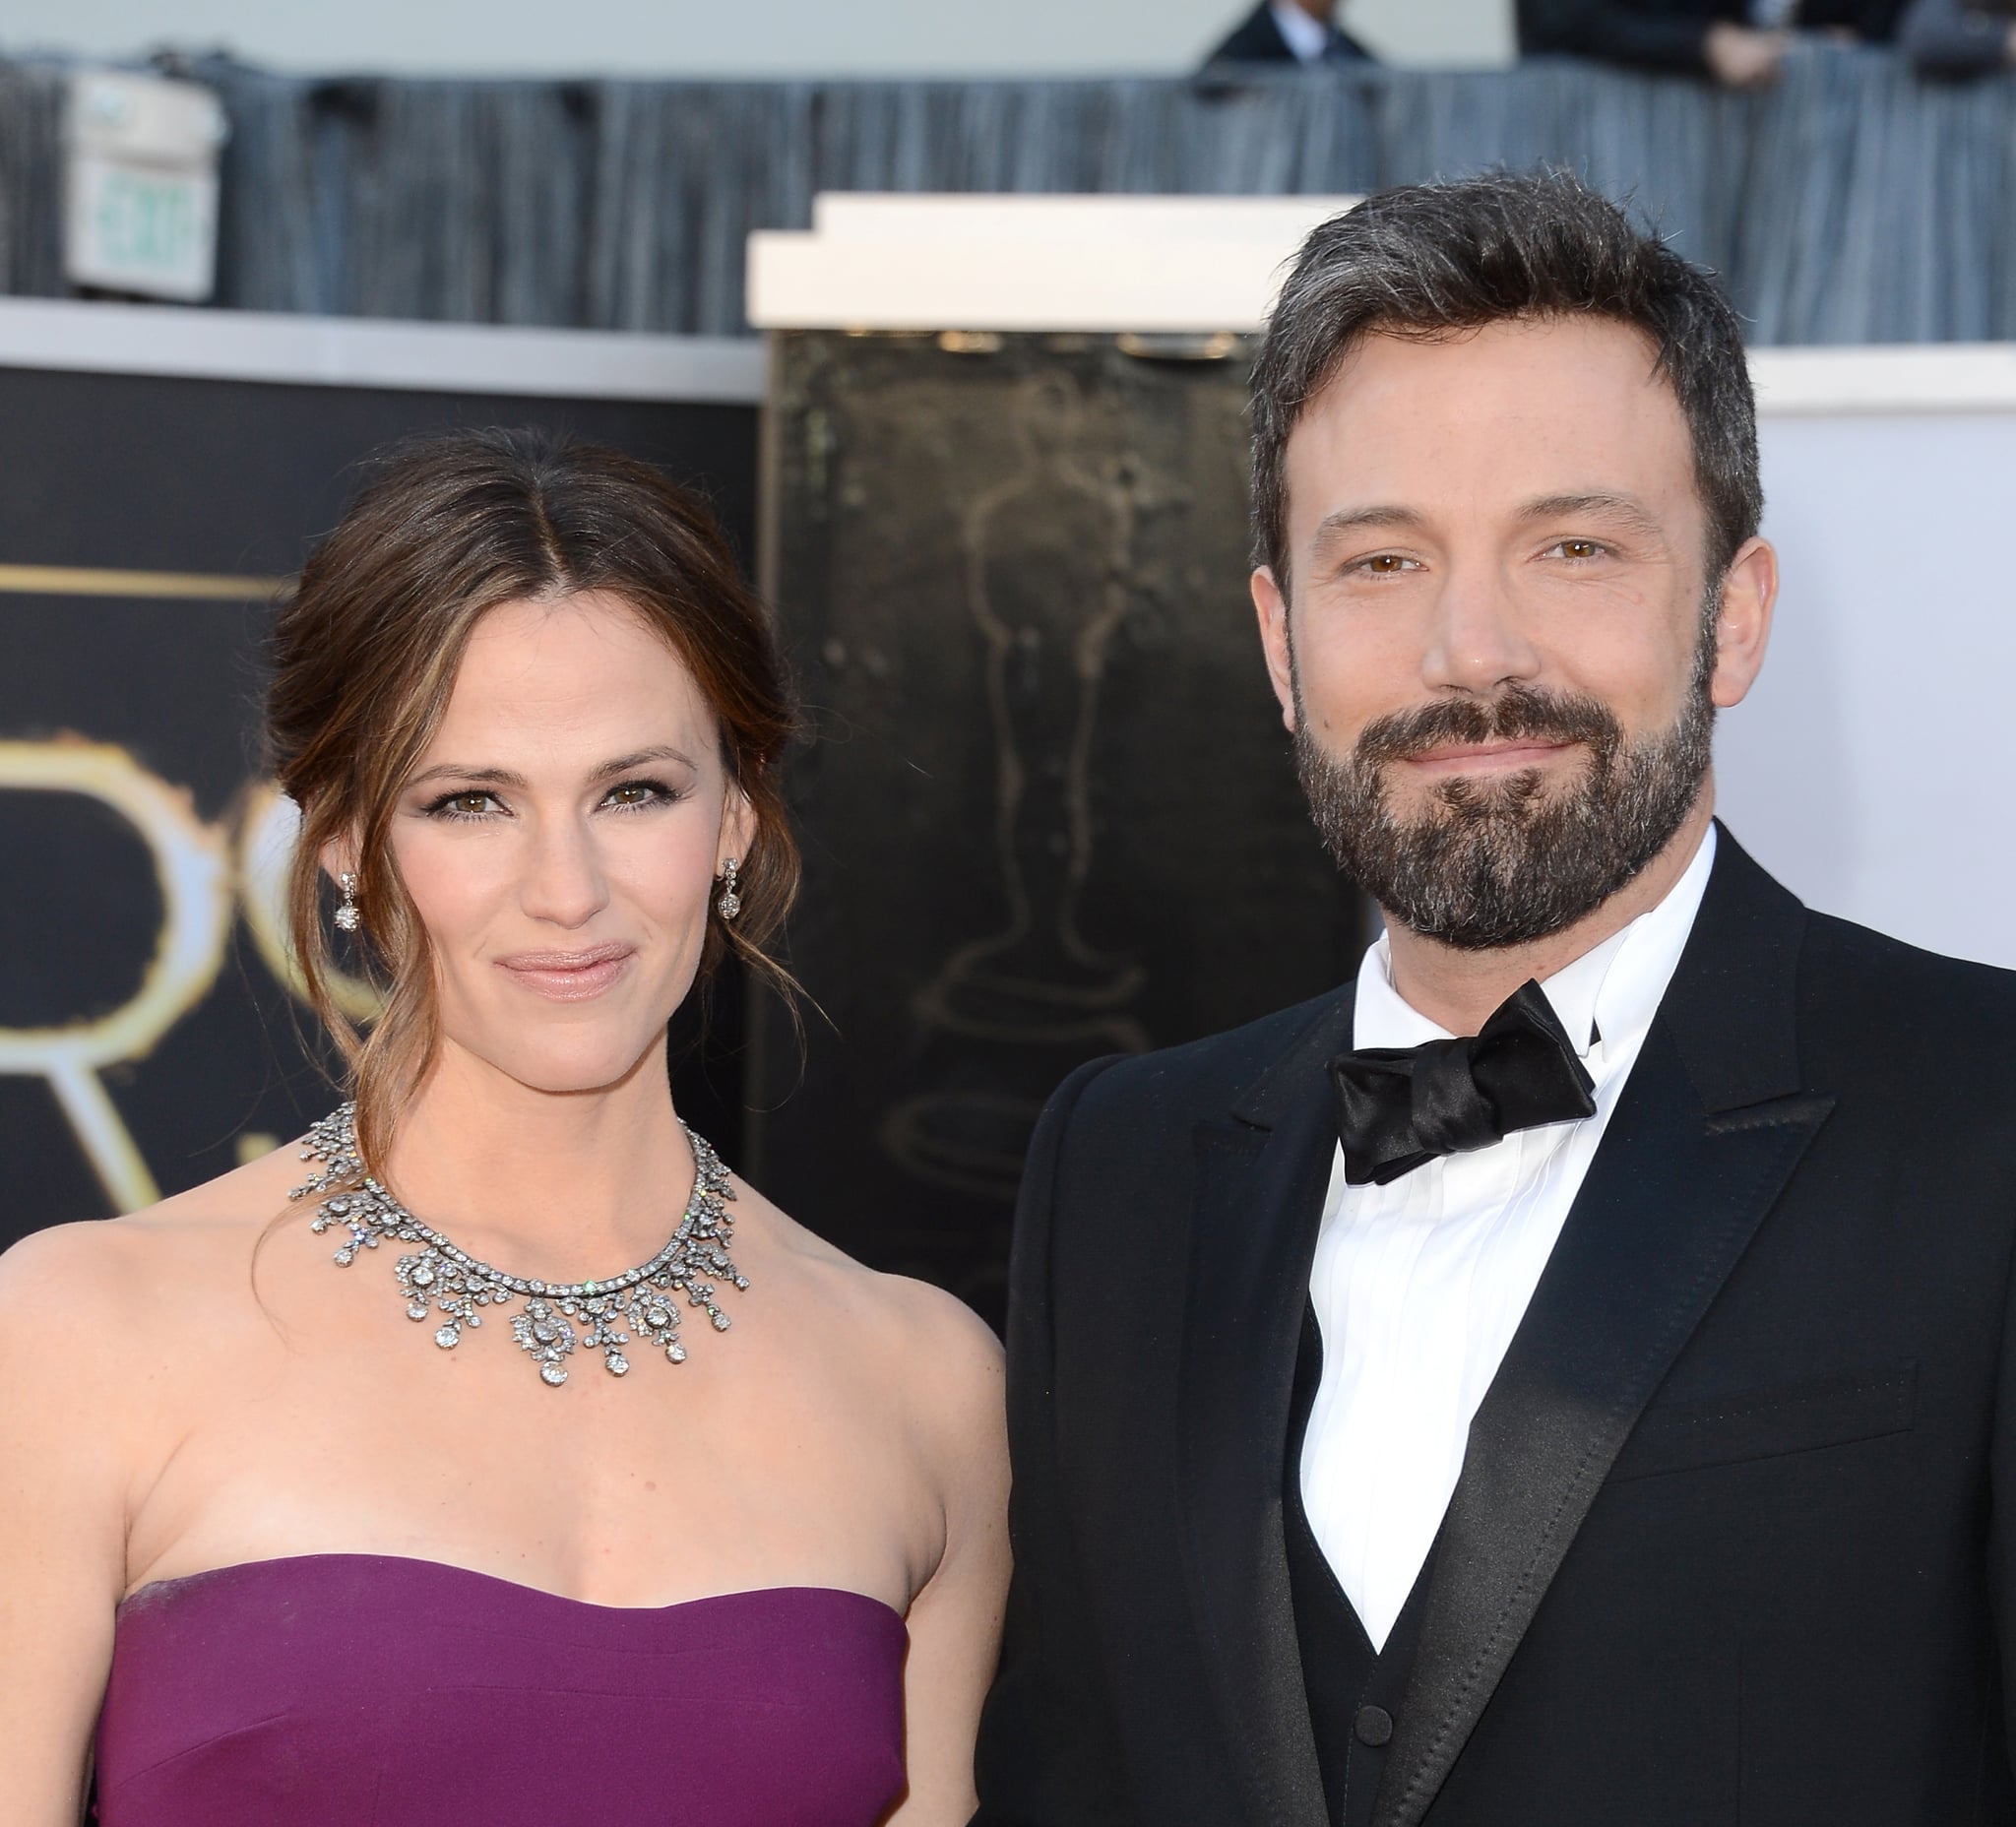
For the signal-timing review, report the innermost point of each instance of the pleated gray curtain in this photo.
(31, 127)
(1853, 203)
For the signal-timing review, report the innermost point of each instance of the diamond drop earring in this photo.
(346, 916)
(730, 903)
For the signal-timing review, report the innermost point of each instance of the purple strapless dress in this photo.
(363, 1690)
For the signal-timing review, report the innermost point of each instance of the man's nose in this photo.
(1476, 643)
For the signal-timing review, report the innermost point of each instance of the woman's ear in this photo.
(339, 857)
(737, 829)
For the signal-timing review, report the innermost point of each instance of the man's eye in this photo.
(1385, 564)
(1578, 548)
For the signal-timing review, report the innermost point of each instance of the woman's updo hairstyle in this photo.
(365, 655)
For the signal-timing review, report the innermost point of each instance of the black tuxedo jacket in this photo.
(1667, 34)
(1733, 1541)
(1256, 39)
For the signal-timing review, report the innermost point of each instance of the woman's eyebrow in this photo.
(504, 776)
(624, 763)
(487, 776)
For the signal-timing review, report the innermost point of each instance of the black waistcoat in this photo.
(1355, 1691)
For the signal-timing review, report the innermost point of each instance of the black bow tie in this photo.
(1400, 1108)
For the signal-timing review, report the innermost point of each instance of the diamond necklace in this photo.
(558, 1316)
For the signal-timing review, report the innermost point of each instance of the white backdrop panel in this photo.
(702, 38)
(1869, 769)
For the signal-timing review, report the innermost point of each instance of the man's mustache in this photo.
(1519, 712)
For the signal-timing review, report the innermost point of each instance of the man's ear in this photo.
(1271, 605)
(1742, 629)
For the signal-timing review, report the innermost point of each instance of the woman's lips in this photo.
(568, 977)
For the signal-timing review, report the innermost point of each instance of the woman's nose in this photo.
(565, 881)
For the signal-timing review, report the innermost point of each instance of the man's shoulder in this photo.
(1256, 39)
(1843, 957)
(1883, 991)
(1116, 1153)
(1869, 1008)
(1202, 1078)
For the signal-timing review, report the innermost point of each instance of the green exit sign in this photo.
(141, 184)
(145, 231)
(150, 224)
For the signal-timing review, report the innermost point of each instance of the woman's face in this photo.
(560, 838)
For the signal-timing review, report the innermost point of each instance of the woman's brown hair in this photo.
(365, 655)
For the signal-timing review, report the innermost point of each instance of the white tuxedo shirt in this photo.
(1420, 1285)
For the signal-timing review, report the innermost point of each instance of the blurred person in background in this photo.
(450, 1532)
(1959, 37)
(1739, 43)
(1284, 32)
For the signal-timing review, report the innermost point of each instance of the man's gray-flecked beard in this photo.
(1487, 865)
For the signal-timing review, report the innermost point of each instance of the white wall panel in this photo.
(642, 37)
(1870, 768)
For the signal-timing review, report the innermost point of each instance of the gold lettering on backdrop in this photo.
(190, 866)
(89, 580)
(202, 869)
(266, 832)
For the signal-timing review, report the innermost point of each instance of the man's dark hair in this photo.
(1426, 260)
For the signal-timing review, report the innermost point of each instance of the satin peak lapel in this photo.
(1693, 1160)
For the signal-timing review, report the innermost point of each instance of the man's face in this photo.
(1500, 663)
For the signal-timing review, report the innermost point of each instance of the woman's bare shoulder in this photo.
(943, 1354)
(135, 1264)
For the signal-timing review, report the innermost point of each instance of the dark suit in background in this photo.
(1732, 1545)
(1669, 35)
(1956, 37)
(1257, 40)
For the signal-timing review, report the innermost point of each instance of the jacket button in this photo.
(1373, 1725)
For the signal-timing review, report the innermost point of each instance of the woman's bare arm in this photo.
(955, 1623)
(64, 1424)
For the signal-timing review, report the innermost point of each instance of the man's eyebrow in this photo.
(504, 776)
(1379, 516)
(1619, 510)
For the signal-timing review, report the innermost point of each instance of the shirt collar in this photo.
(1307, 37)
(1610, 995)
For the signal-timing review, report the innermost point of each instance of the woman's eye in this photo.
(463, 806)
(634, 795)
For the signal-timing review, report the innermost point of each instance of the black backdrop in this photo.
(121, 680)
(1048, 809)
(1051, 812)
